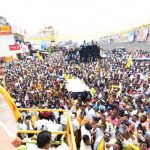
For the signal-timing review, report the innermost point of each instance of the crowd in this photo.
(86, 52)
(115, 116)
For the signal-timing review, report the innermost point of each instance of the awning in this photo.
(76, 85)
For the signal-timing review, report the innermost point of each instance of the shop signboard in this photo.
(14, 47)
(131, 36)
(8, 59)
(142, 35)
(5, 30)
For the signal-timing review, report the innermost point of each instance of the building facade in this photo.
(44, 38)
(12, 42)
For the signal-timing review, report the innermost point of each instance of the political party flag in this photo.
(40, 56)
(129, 62)
(10, 102)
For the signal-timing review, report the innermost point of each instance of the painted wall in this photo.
(5, 41)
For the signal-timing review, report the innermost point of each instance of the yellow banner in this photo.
(9, 59)
(5, 30)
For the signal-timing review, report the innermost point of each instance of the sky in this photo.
(80, 17)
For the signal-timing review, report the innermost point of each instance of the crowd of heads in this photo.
(117, 111)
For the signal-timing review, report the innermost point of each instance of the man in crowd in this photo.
(44, 142)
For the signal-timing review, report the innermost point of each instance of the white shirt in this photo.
(97, 141)
(112, 141)
(74, 109)
(56, 114)
(63, 119)
(24, 114)
(83, 146)
(134, 123)
(112, 130)
(127, 142)
(134, 112)
(98, 133)
(21, 126)
(75, 125)
(85, 132)
(61, 147)
(41, 124)
(90, 113)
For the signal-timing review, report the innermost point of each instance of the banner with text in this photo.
(5, 30)
(14, 47)
(131, 36)
(8, 59)
(142, 35)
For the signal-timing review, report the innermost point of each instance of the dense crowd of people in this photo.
(85, 53)
(115, 116)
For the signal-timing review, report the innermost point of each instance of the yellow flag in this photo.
(101, 145)
(78, 67)
(40, 56)
(92, 91)
(10, 102)
(66, 76)
(3, 82)
(129, 62)
(132, 146)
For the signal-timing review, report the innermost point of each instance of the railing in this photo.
(68, 133)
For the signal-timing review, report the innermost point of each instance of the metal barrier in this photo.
(68, 133)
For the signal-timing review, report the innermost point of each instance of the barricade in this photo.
(69, 134)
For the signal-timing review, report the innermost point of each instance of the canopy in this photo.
(76, 85)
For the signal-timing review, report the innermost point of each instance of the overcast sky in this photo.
(76, 16)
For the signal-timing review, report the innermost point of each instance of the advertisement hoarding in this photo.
(142, 35)
(14, 47)
(131, 36)
(5, 30)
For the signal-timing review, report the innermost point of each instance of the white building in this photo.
(48, 30)
(11, 41)
(45, 37)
